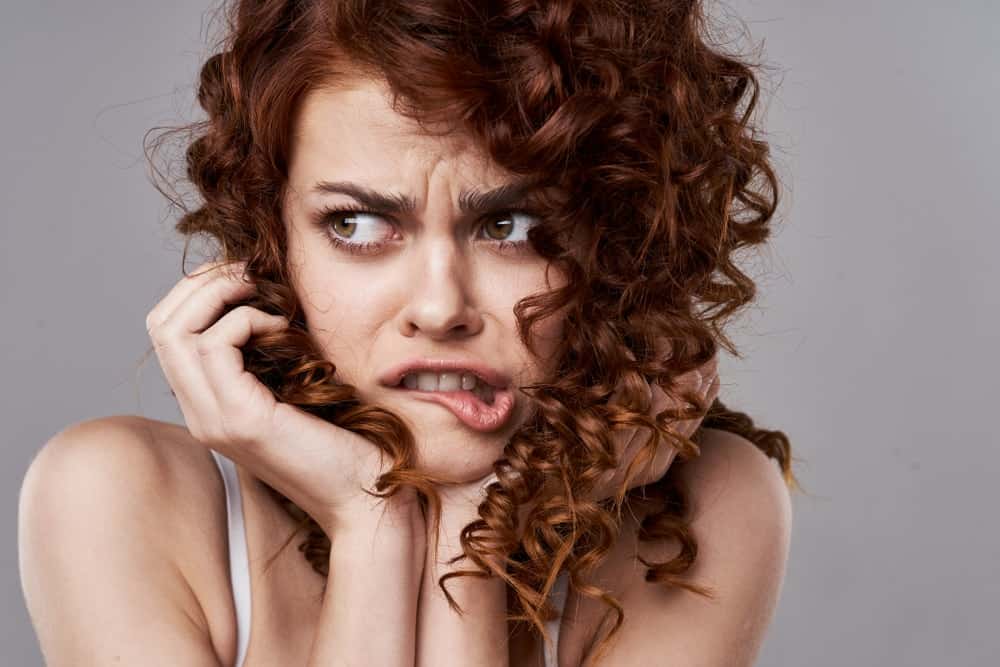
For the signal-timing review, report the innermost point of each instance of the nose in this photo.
(440, 305)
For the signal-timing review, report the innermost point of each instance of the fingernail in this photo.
(489, 480)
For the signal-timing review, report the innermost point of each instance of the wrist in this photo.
(389, 521)
(388, 554)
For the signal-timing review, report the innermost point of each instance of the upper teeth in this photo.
(427, 381)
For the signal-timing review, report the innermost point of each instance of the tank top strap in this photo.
(558, 597)
(239, 561)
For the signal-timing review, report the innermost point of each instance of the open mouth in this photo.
(450, 382)
(480, 406)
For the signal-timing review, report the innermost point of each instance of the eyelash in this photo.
(369, 247)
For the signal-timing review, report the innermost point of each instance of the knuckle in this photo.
(233, 271)
(206, 345)
(244, 312)
(205, 266)
(162, 333)
(152, 321)
(194, 275)
(160, 342)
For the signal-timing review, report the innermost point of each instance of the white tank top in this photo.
(239, 569)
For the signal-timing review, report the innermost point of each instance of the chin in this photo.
(456, 452)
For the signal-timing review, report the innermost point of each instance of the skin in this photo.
(439, 286)
(367, 312)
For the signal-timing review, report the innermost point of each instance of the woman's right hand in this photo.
(321, 467)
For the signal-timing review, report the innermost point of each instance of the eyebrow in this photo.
(469, 201)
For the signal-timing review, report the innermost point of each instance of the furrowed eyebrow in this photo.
(470, 201)
(381, 201)
(505, 196)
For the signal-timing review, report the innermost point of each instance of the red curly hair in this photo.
(650, 178)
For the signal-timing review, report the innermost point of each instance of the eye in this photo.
(357, 225)
(510, 228)
(356, 230)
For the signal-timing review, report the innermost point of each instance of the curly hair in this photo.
(638, 132)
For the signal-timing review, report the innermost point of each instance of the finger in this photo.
(710, 380)
(627, 442)
(689, 426)
(627, 446)
(713, 391)
(486, 481)
(179, 364)
(177, 354)
(161, 311)
(664, 451)
(181, 291)
(699, 380)
(221, 356)
(656, 466)
(205, 305)
(660, 400)
(710, 368)
(174, 337)
(178, 360)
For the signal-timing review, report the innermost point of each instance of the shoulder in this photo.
(741, 517)
(125, 463)
(733, 482)
(115, 505)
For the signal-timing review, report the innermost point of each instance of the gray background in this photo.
(870, 344)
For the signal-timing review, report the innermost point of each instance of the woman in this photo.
(462, 334)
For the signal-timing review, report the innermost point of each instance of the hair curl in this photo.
(638, 132)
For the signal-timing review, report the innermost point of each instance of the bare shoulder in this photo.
(153, 464)
(733, 471)
(741, 517)
(108, 509)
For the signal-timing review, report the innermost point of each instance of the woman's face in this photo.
(430, 281)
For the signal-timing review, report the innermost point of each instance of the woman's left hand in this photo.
(704, 382)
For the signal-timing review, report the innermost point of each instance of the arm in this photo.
(369, 612)
(102, 583)
(444, 638)
(94, 546)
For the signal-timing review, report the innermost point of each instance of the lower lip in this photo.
(469, 409)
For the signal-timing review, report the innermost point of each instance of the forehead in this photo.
(352, 128)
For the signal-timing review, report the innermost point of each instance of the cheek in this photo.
(341, 321)
(548, 332)
(549, 336)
